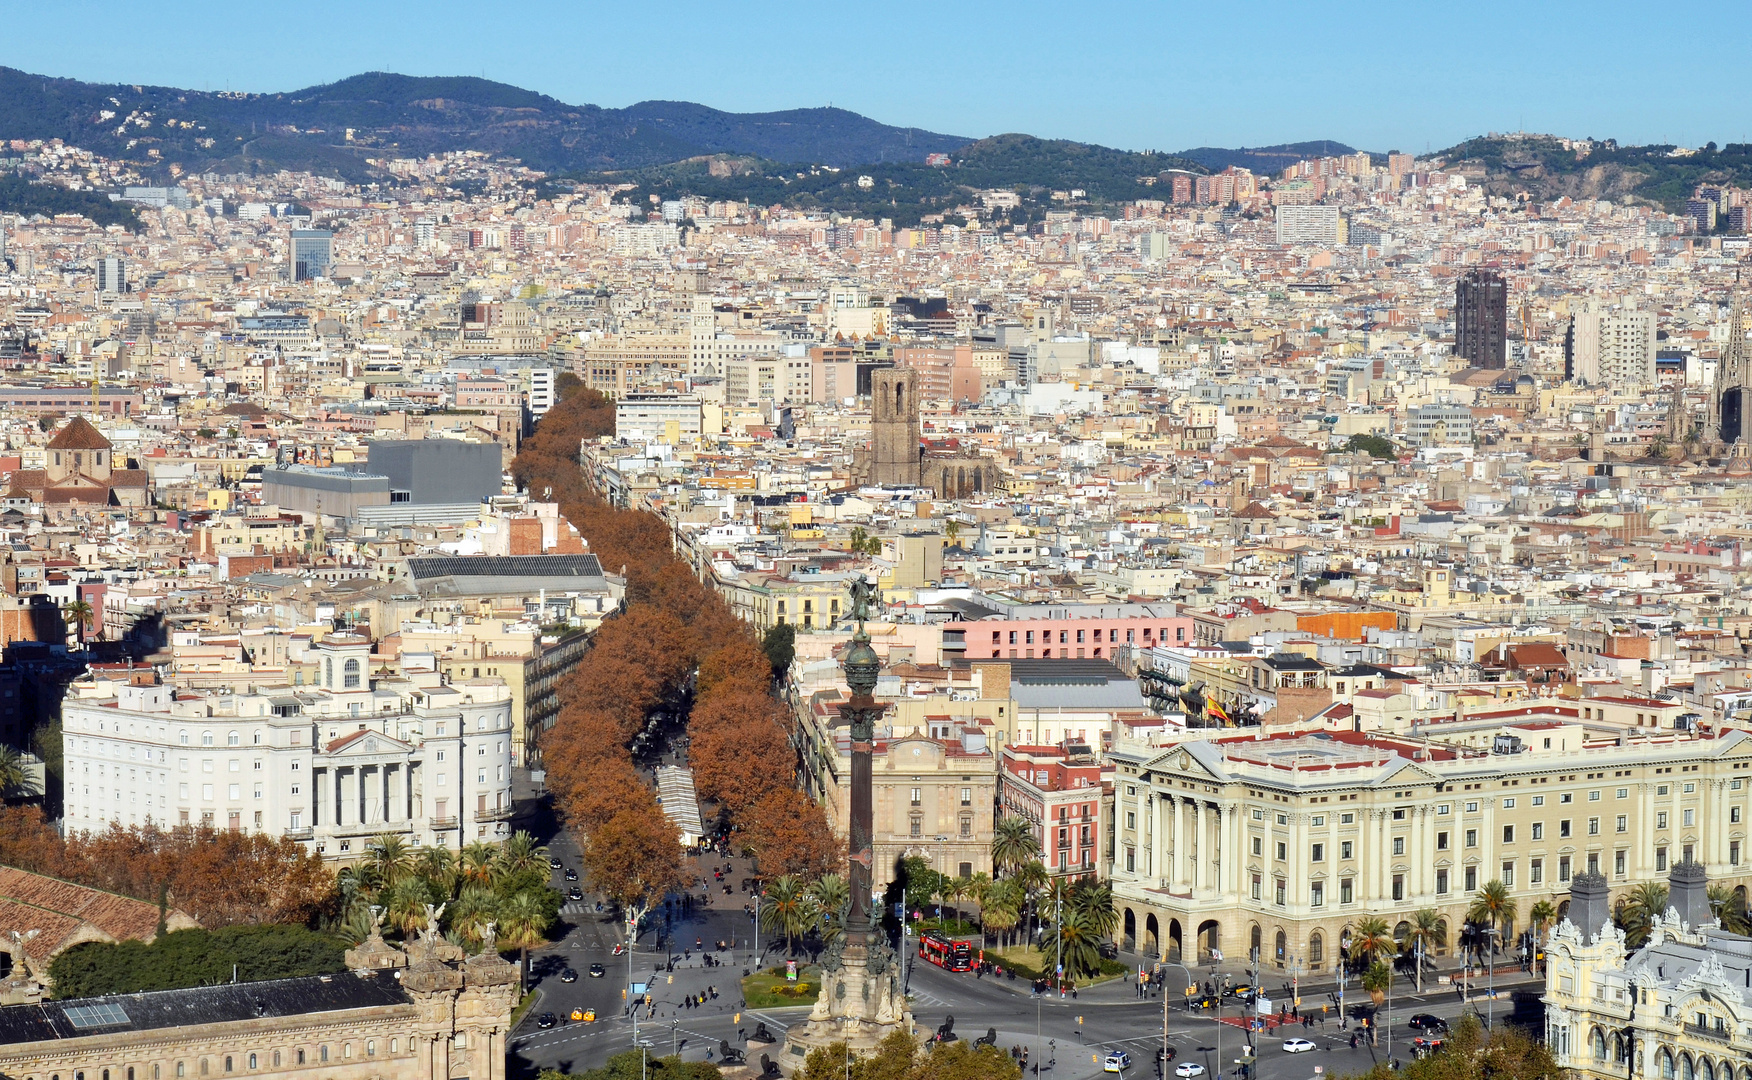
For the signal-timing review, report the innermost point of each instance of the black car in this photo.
(596, 971)
(555, 863)
(575, 894)
(545, 1020)
(1428, 1023)
(571, 874)
(568, 975)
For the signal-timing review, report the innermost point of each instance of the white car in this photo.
(1117, 1062)
(1189, 1068)
(1296, 1046)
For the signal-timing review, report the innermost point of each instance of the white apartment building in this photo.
(1613, 348)
(1309, 225)
(330, 765)
(662, 418)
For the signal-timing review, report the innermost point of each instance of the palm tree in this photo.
(390, 858)
(1013, 843)
(830, 894)
(1370, 939)
(1493, 906)
(405, 904)
(1031, 877)
(1539, 917)
(1001, 909)
(1637, 908)
(79, 613)
(979, 886)
(1094, 898)
(15, 778)
(1425, 935)
(478, 863)
(788, 910)
(437, 865)
(1073, 936)
(521, 854)
(1729, 907)
(524, 917)
(474, 907)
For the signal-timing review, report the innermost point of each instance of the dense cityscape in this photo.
(461, 620)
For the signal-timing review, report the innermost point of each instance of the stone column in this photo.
(1201, 847)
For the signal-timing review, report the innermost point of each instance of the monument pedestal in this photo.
(860, 1005)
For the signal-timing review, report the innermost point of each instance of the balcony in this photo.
(441, 823)
(300, 834)
(1715, 1034)
(501, 814)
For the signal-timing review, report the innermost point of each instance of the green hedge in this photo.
(194, 958)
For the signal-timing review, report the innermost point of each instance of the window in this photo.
(350, 675)
(1563, 828)
(370, 1047)
(1442, 882)
(1345, 847)
(1688, 818)
(1278, 891)
(1441, 841)
(1593, 826)
(1508, 834)
(918, 826)
(1593, 862)
(233, 739)
(1282, 851)
(1539, 830)
(1508, 874)
(1344, 819)
(1734, 814)
(1618, 862)
(1472, 808)
(1471, 837)
(1317, 894)
(1258, 846)
(1508, 804)
(1538, 800)
(1317, 853)
(1399, 845)
(1131, 820)
(1733, 853)
(1255, 876)
(1535, 871)
(966, 796)
(1566, 797)
(1660, 858)
(1563, 869)
(1661, 820)
(916, 793)
(1442, 808)
(1624, 792)
(1472, 879)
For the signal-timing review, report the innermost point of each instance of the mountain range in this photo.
(334, 128)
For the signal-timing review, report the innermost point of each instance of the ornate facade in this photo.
(425, 1013)
(1678, 1008)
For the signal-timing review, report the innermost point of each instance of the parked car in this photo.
(1117, 1062)
(1297, 1046)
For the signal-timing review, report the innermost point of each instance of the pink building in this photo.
(1059, 790)
(1080, 632)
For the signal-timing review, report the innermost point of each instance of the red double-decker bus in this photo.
(947, 953)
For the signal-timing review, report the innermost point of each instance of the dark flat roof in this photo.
(505, 566)
(199, 1005)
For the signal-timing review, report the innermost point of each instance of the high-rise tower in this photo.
(1481, 319)
(1733, 386)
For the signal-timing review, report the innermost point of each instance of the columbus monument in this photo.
(861, 1000)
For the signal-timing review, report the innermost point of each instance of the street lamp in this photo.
(943, 879)
(1191, 982)
(1343, 962)
(1490, 977)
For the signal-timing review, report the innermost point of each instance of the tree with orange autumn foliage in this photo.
(634, 859)
(222, 878)
(789, 834)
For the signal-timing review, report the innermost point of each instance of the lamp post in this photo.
(1191, 982)
(942, 879)
(1343, 962)
(1490, 978)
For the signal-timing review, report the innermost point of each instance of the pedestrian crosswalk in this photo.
(576, 907)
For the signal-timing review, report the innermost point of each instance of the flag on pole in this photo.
(1216, 710)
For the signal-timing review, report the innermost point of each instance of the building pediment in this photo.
(367, 744)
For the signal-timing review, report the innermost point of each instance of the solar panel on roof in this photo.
(103, 1014)
(505, 566)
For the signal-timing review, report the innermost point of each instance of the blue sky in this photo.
(1412, 75)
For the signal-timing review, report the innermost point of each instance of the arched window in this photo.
(328, 666)
(1686, 1072)
(393, 1045)
(181, 1070)
(203, 1066)
(1316, 948)
(206, 738)
(346, 1050)
(227, 1062)
(350, 675)
(301, 1057)
(1705, 1071)
(252, 1061)
(233, 739)
(276, 1059)
(370, 1047)
(1280, 944)
(1666, 1060)
(1598, 1038)
(322, 1053)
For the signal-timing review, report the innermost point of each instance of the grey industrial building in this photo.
(332, 491)
(432, 472)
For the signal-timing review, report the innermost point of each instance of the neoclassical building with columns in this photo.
(1282, 842)
(425, 1013)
